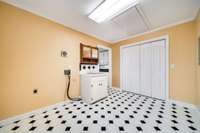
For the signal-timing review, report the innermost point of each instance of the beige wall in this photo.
(182, 39)
(30, 58)
(198, 67)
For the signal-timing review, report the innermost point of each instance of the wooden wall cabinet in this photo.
(89, 54)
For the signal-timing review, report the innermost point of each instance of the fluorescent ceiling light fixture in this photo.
(110, 9)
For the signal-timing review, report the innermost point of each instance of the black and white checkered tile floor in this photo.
(119, 112)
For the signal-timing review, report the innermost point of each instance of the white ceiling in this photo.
(148, 15)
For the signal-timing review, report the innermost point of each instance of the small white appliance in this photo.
(93, 85)
(87, 68)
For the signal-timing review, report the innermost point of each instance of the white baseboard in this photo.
(188, 105)
(117, 88)
(37, 111)
(40, 110)
(183, 104)
(113, 87)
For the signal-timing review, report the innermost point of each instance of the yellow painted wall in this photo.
(30, 58)
(182, 39)
(198, 66)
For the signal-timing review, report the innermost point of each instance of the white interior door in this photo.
(131, 69)
(159, 69)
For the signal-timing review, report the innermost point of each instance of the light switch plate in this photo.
(172, 66)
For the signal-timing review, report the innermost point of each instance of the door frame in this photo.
(166, 38)
(110, 61)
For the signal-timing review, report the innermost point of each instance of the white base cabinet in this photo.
(94, 87)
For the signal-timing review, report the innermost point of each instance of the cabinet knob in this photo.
(91, 85)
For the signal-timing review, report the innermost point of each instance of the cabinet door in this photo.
(103, 86)
(94, 53)
(86, 52)
(94, 89)
(99, 89)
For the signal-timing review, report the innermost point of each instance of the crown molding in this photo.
(154, 30)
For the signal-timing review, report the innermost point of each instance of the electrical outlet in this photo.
(35, 91)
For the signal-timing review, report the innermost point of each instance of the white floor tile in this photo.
(120, 112)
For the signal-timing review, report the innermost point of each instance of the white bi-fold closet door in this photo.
(144, 69)
(131, 67)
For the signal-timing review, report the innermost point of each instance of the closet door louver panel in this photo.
(146, 69)
(158, 70)
(131, 69)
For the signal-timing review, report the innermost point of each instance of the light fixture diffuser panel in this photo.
(110, 9)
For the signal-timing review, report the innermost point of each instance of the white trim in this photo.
(166, 38)
(40, 110)
(96, 36)
(104, 47)
(179, 103)
(167, 65)
(154, 30)
(34, 112)
(117, 88)
(110, 60)
(55, 21)
(183, 104)
(120, 69)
